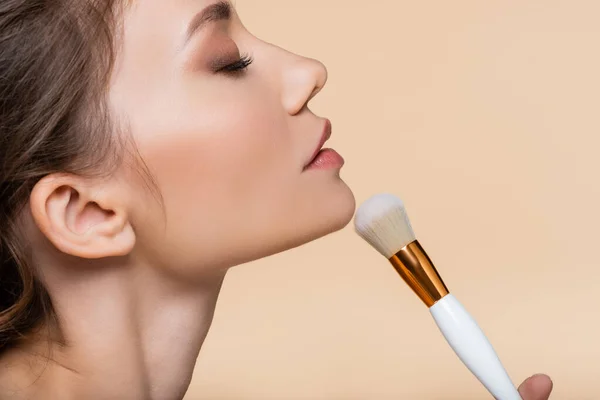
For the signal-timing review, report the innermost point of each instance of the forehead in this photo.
(167, 6)
(157, 18)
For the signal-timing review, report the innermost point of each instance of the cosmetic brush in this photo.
(382, 222)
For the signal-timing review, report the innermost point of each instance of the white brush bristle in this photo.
(383, 223)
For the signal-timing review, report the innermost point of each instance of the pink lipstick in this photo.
(325, 158)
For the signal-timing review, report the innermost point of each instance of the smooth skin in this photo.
(537, 387)
(134, 268)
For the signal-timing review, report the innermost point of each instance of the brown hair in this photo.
(56, 58)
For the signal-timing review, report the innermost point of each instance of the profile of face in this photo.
(221, 120)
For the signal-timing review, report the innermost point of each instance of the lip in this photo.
(324, 138)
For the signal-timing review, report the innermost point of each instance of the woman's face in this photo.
(227, 143)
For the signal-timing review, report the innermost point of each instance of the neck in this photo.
(129, 333)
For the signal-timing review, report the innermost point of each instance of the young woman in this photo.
(145, 148)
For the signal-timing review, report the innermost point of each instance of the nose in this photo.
(303, 78)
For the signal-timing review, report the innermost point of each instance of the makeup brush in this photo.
(382, 222)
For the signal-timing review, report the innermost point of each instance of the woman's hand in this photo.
(537, 387)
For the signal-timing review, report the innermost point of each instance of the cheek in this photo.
(227, 157)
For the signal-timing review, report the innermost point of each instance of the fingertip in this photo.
(536, 387)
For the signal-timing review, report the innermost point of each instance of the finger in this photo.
(537, 387)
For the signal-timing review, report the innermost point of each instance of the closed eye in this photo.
(236, 67)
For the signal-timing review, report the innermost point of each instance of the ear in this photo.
(82, 218)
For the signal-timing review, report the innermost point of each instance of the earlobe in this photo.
(81, 218)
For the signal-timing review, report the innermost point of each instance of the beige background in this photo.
(484, 116)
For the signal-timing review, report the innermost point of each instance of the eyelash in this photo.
(237, 67)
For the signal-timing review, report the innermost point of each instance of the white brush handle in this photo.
(472, 347)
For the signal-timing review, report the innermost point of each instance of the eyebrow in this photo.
(220, 11)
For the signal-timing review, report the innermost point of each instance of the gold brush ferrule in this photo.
(417, 270)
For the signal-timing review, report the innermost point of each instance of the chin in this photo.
(341, 212)
(333, 215)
